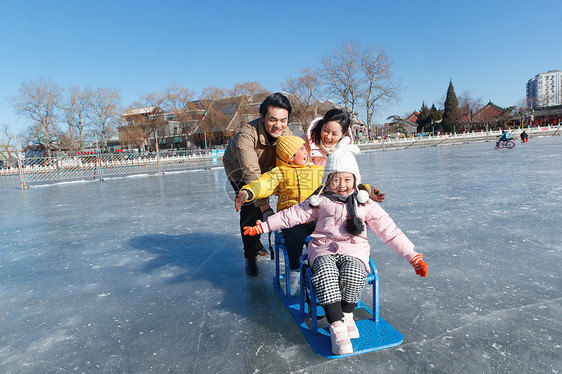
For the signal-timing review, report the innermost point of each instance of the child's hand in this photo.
(253, 230)
(419, 265)
(376, 195)
(240, 199)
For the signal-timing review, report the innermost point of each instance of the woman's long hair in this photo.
(338, 115)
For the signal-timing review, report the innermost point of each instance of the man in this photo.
(502, 138)
(250, 154)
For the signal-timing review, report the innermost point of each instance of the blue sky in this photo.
(490, 48)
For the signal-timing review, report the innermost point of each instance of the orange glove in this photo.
(419, 265)
(253, 230)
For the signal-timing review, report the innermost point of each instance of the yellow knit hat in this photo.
(287, 146)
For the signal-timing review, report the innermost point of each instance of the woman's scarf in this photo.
(353, 225)
(329, 149)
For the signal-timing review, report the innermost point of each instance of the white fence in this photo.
(99, 166)
(432, 140)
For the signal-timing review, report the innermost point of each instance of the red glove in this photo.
(376, 195)
(419, 265)
(253, 230)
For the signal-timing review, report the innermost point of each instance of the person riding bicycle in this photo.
(502, 138)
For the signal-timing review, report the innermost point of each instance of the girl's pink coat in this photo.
(330, 235)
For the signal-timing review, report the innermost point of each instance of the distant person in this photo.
(524, 137)
(504, 136)
(293, 180)
(250, 154)
(339, 251)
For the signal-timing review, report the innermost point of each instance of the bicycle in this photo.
(508, 143)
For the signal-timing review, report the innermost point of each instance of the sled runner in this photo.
(376, 333)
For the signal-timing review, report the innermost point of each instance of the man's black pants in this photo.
(249, 214)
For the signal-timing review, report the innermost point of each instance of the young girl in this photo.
(339, 250)
(324, 133)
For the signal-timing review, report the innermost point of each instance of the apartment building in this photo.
(545, 90)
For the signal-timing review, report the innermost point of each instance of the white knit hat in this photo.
(342, 159)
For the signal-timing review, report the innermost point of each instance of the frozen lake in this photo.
(145, 274)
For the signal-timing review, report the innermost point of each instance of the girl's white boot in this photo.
(341, 344)
(352, 331)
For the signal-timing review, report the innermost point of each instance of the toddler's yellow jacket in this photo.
(291, 183)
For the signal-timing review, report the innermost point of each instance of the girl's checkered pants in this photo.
(338, 277)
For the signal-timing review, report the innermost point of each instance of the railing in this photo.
(450, 138)
(100, 166)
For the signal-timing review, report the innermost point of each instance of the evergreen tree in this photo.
(436, 114)
(451, 115)
(424, 118)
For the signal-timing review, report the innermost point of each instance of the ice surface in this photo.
(146, 274)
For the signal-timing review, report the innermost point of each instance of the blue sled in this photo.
(375, 332)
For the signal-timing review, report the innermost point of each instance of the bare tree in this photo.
(378, 85)
(77, 111)
(246, 88)
(521, 112)
(105, 110)
(154, 121)
(6, 135)
(212, 92)
(340, 71)
(213, 118)
(305, 90)
(132, 132)
(179, 102)
(244, 94)
(39, 101)
(468, 106)
(357, 74)
(6, 156)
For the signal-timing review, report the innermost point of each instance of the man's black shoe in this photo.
(252, 267)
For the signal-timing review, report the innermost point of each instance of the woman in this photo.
(322, 137)
(324, 133)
